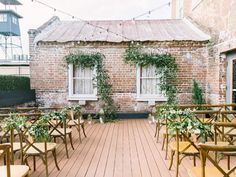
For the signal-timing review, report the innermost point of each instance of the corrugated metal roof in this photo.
(122, 31)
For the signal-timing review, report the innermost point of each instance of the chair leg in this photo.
(55, 158)
(156, 130)
(167, 142)
(194, 160)
(177, 164)
(65, 141)
(171, 159)
(34, 162)
(228, 162)
(82, 125)
(163, 143)
(70, 137)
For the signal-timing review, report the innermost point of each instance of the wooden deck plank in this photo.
(118, 170)
(127, 168)
(135, 164)
(141, 154)
(109, 171)
(157, 168)
(78, 162)
(101, 167)
(92, 159)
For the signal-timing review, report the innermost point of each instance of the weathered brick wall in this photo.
(49, 72)
(219, 20)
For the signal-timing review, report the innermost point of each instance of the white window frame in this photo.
(14, 20)
(146, 97)
(82, 97)
(3, 18)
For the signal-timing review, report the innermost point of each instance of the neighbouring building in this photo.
(12, 59)
(218, 19)
(134, 88)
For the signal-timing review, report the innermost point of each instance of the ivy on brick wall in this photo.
(104, 88)
(165, 64)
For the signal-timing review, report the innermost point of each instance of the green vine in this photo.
(102, 79)
(165, 65)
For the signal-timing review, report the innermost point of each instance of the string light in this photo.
(100, 27)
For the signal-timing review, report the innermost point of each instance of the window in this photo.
(3, 17)
(195, 3)
(14, 20)
(148, 84)
(81, 85)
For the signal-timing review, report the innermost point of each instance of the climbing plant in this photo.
(101, 80)
(165, 64)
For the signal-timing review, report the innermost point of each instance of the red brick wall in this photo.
(49, 72)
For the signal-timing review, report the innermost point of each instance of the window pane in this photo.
(83, 81)
(3, 18)
(149, 82)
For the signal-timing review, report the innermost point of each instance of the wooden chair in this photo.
(38, 149)
(182, 148)
(224, 134)
(59, 130)
(11, 170)
(216, 170)
(75, 120)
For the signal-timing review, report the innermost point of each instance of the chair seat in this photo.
(16, 146)
(41, 147)
(182, 146)
(210, 172)
(61, 131)
(16, 171)
(74, 122)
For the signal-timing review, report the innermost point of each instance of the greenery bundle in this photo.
(183, 120)
(39, 129)
(75, 108)
(165, 64)
(101, 80)
(14, 122)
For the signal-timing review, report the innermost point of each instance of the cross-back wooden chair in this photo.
(59, 129)
(184, 146)
(213, 115)
(224, 135)
(216, 170)
(75, 120)
(16, 144)
(39, 148)
(11, 170)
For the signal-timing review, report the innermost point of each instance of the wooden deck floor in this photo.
(126, 148)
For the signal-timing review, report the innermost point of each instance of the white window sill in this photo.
(88, 98)
(151, 100)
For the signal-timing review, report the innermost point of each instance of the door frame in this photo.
(229, 76)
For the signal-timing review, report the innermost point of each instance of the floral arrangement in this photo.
(75, 108)
(39, 129)
(14, 122)
(60, 115)
(182, 120)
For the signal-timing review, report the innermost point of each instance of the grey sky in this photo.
(35, 14)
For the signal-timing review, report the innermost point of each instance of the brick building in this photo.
(134, 88)
(217, 18)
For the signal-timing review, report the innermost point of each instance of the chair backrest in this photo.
(223, 130)
(6, 151)
(204, 154)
